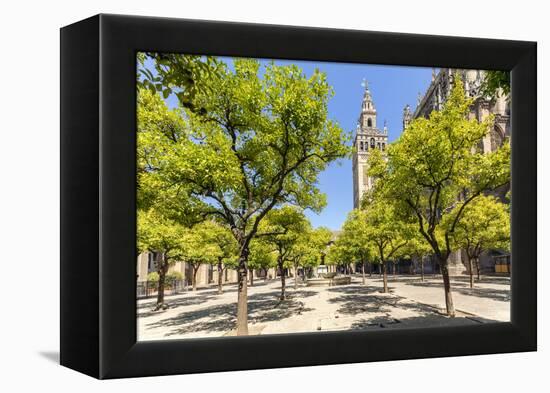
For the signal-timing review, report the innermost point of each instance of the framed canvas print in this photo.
(240, 196)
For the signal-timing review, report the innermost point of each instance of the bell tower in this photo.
(367, 138)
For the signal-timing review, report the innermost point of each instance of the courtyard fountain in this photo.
(325, 278)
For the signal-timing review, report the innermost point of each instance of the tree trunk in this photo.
(242, 296)
(385, 277)
(478, 269)
(162, 270)
(447, 287)
(194, 279)
(220, 276)
(471, 271)
(283, 278)
(251, 272)
(363, 271)
(422, 269)
(394, 268)
(295, 277)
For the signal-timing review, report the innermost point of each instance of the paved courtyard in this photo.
(410, 303)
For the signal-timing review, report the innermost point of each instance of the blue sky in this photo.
(392, 87)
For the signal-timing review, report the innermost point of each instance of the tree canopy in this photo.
(496, 83)
(282, 230)
(157, 233)
(354, 240)
(485, 225)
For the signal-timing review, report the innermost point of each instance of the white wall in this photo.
(29, 140)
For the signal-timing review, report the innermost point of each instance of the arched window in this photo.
(361, 148)
(383, 146)
(372, 143)
(369, 123)
(378, 145)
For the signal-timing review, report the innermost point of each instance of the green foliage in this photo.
(153, 277)
(261, 255)
(416, 247)
(485, 225)
(353, 244)
(158, 129)
(386, 230)
(157, 233)
(310, 246)
(174, 276)
(176, 74)
(199, 245)
(225, 247)
(338, 255)
(282, 230)
(496, 83)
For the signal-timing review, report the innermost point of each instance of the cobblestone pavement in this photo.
(410, 303)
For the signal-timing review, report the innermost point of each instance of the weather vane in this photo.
(365, 84)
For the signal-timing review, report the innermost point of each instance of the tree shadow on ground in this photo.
(271, 309)
(424, 321)
(368, 303)
(485, 279)
(220, 317)
(354, 289)
(502, 295)
(302, 293)
(262, 307)
(425, 283)
(145, 310)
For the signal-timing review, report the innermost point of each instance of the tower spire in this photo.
(367, 118)
(367, 98)
(407, 116)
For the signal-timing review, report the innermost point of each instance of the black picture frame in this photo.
(98, 187)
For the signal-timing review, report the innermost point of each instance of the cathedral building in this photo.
(482, 107)
(367, 138)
